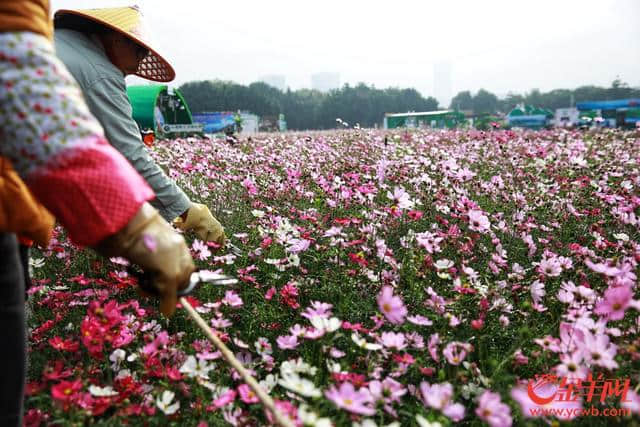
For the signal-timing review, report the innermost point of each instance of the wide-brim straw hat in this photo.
(128, 21)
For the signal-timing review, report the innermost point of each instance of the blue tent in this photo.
(608, 105)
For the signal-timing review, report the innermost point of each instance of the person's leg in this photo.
(24, 261)
(13, 354)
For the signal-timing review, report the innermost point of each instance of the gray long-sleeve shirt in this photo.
(105, 92)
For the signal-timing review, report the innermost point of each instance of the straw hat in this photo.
(129, 22)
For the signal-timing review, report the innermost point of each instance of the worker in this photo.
(100, 47)
(55, 159)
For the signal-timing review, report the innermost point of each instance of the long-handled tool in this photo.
(198, 277)
(266, 400)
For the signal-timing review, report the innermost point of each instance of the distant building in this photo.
(428, 119)
(442, 83)
(566, 117)
(324, 82)
(276, 80)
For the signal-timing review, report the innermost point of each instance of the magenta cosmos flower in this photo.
(346, 397)
(391, 306)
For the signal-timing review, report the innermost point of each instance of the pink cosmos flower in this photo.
(391, 306)
(393, 340)
(478, 221)
(201, 249)
(298, 245)
(550, 267)
(287, 342)
(346, 397)
(400, 198)
(438, 396)
(572, 367)
(246, 394)
(270, 293)
(232, 299)
(250, 186)
(598, 350)
(434, 340)
(420, 320)
(388, 391)
(455, 352)
(225, 398)
(537, 291)
(549, 343)
(632, 402)
(159, 342)
(318, 309)
(615, 302)
(604, 268)
(491, 410)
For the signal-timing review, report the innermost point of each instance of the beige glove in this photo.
(203, 224)
(151, 242)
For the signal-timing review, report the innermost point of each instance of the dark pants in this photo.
(12, 321)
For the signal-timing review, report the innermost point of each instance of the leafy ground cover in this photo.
(415, 278)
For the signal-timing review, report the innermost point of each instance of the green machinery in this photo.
(164, 112)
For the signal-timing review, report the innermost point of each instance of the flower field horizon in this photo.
(407, 277)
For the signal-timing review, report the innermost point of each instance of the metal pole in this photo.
(235, 363)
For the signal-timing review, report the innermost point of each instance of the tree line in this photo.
(304, 108)
(366, 105)
(485, 102)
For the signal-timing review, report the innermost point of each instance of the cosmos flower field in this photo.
(426, 278)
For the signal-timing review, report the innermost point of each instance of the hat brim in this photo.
(152, 67)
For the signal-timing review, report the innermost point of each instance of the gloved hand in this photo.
(149, 241)
(202, 222)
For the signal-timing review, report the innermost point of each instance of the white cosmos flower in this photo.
(117, 357)
(196, 368)
(299, 385)
(310, 418)
(621, 236)
(269, 382)
(164, 403)
(36, 262)
(324, 324)
(256, 213)
(422, 422)
(107, 391)
(362, 343)
(443, 264)
(297, 366)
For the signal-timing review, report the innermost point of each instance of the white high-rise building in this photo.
(276, 80)
(324, 82)
(442, 83)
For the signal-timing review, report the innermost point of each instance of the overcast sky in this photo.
(499, 45)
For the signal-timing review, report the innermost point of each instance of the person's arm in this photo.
(108, 101)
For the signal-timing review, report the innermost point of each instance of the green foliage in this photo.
(304, 108)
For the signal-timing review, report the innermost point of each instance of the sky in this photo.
(499, 45)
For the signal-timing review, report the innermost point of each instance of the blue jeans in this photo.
(12, 321)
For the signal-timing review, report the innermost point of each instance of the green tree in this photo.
(484, 102)
(462, 101)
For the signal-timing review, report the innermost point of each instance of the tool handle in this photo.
(235, 363)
